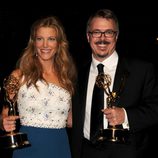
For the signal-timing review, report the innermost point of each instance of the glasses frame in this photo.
(107, 33)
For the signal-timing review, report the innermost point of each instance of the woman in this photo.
(46, 75)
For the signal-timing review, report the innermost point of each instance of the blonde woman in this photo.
(46, 74)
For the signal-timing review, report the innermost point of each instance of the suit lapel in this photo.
(120, 77)
(83, 88)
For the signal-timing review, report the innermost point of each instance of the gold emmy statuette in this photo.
(112, 133)
(13, 139)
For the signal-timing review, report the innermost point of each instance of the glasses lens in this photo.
(107, 33)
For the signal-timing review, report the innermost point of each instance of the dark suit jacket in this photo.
(139, 97)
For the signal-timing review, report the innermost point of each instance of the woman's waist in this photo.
(43, 124)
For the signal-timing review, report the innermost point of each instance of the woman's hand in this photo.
(69, 119)
(9, 123)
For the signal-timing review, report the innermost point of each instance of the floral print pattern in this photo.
(46, 108)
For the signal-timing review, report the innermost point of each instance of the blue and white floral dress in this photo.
(43, 116)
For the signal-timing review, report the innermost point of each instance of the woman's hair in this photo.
(63, 63)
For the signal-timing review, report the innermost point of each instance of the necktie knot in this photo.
(100, 68)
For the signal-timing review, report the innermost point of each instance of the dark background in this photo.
(138, 32)
(138, 28)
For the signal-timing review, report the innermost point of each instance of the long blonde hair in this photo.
(63, 62)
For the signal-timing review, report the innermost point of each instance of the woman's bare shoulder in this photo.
(16, 73)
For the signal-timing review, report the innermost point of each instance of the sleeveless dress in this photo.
(43, 116)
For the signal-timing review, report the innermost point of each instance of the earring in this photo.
(36, 54)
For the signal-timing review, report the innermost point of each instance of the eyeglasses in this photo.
(107, 33)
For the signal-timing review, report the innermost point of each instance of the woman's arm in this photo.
(69, 119)
(8, 123)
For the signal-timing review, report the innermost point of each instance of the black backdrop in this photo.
(138, 33)
(138, 28)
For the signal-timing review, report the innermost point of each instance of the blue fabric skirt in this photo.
(45, 143)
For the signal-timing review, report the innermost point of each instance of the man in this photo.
(134, 82)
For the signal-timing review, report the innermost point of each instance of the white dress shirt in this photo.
(110, 65)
